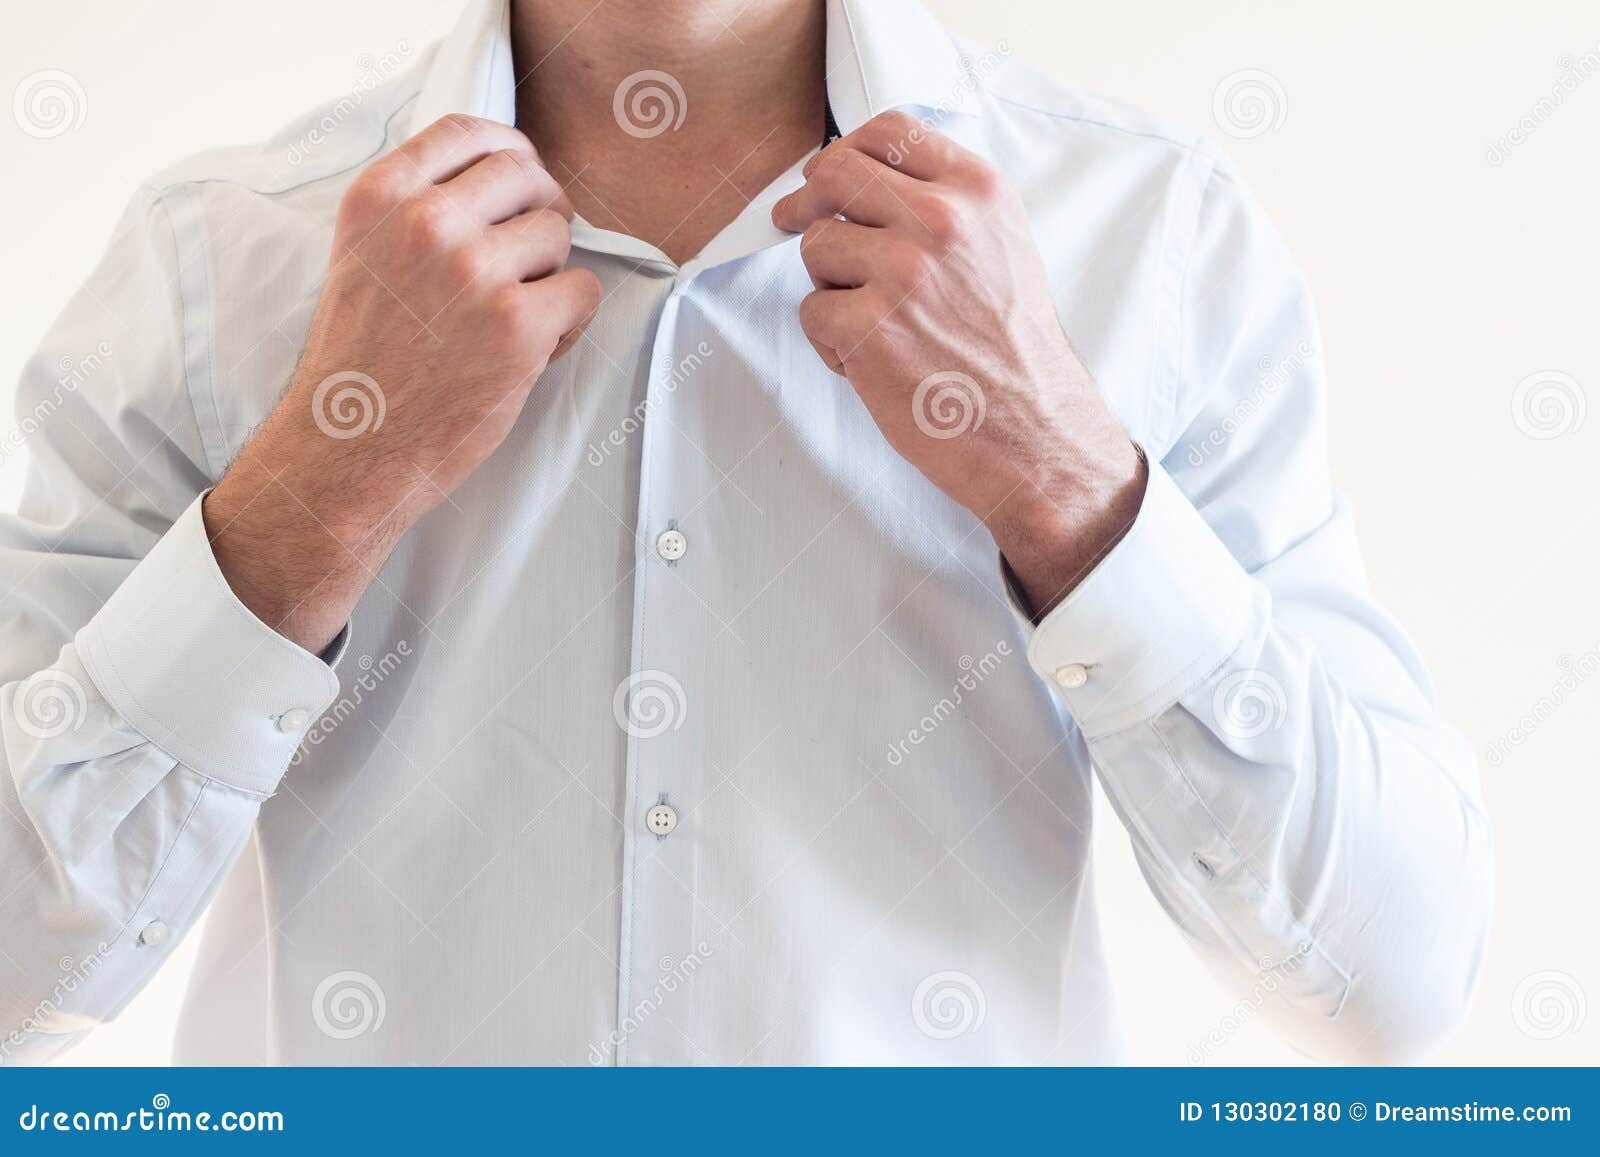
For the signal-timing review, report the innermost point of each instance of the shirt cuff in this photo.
(188, 665)
(1163, 610)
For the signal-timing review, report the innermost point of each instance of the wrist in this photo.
(295, 541)
(1053, 536)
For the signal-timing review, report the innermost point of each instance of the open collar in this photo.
(881, 54)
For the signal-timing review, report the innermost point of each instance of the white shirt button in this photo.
(661, 819)
(672, 545)
(153, 934)
(295, 719)
(1072, 676)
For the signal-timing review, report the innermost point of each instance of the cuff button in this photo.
(1072, 676)
(153, 934)
(294, 719)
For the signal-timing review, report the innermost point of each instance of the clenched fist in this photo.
(446, 298)
(931, 297)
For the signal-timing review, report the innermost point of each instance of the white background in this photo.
(1444, 281)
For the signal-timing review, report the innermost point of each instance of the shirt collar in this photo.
(881, 54)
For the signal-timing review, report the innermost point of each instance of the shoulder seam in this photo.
(383, 139)
(1095, 122)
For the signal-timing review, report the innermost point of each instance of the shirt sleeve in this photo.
(1265, 731)
(145, 713)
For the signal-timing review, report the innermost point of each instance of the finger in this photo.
(833, 320)
(909, 146)
(841, 254)
(449, 145)
(564, 304)
(503, 184)
(531, 245)
(830, 356)
(849, 184)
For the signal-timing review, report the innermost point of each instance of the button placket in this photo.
(657, 912)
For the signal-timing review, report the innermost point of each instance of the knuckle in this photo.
(815, 234)
(986, 179)
(811, 309)
(582, 288)
(838, 172)
(825, 318)
(460, 122)
(371, 194)
(469, 262)
(431, 222)
(898, 122)
(552, 229)
(508, 312)
(516, 162)
(942, 217)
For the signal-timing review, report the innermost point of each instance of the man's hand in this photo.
(446, 298)
(932, 299)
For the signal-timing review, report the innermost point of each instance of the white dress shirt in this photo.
(697, 726)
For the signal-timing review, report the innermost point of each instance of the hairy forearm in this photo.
(460, 225)
(1053, 537)
(295, 550)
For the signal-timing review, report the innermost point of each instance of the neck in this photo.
(734, 96)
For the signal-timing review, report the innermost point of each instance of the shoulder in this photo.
(327, 144)
(1034, 123)
(1028, 95)
(240, 239)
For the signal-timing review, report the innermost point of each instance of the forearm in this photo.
(299, 538)
(1053, 533)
